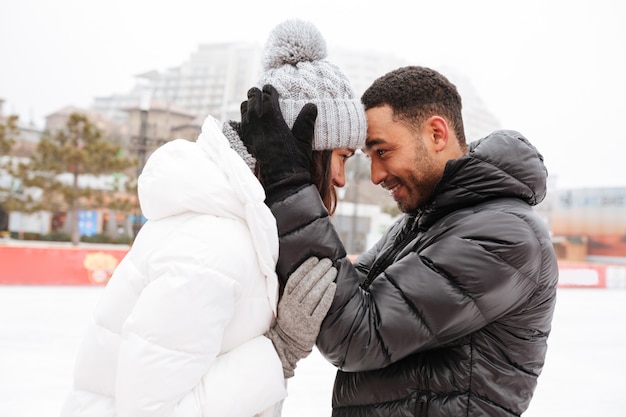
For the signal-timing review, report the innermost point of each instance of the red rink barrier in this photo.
(62, 264)
(50, 264)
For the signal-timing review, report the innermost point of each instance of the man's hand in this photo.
(283, 155)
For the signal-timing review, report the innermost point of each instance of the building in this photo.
(24, 147)
(215, 80)
(168, 104)
(588, 224)
(154, 122)
(360, 226)
(28, 138)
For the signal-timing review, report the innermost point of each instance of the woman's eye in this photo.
(346, 156)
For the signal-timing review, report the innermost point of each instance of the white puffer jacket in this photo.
(179, 329)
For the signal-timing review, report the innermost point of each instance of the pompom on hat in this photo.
(294, 63)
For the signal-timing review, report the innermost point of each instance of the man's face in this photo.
(402, 161)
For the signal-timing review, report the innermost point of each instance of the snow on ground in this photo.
(42, 326)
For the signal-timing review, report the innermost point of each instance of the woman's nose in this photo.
(339, 179)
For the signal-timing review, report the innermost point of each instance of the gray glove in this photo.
(307, 298)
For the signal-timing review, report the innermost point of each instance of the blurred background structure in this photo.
(551, 71)
(171, 104)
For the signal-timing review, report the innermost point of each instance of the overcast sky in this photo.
(553, 70)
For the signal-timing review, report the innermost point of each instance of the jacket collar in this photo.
(503, 164)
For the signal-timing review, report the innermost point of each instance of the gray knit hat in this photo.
(294, 63)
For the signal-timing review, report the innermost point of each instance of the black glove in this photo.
(283, 156)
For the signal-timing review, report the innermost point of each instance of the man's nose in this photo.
(377, 173)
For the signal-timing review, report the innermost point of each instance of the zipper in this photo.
(401, 241)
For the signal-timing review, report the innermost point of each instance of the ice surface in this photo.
(42, 326)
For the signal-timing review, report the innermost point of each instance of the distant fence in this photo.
(62, 264)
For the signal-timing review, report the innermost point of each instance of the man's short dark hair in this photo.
(415, 94)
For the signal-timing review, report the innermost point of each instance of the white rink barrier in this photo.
(591, 275)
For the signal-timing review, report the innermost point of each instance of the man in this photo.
(450, 312)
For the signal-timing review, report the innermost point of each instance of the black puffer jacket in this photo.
(450, 312)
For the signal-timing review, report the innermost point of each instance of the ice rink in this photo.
(41, 327)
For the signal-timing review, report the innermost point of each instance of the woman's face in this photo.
(338, 161)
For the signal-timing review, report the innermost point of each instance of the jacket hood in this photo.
(208, 177)
(185, 176)
(503, 164)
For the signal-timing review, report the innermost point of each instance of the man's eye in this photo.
(380, 152)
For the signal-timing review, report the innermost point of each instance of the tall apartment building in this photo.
(215, 79)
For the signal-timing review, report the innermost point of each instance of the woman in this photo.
(294, 63)
(185, 326)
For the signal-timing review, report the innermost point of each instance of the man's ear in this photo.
(438, 131)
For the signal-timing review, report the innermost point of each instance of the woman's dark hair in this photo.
(322, 179)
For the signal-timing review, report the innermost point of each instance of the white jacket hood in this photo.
(230, 190)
